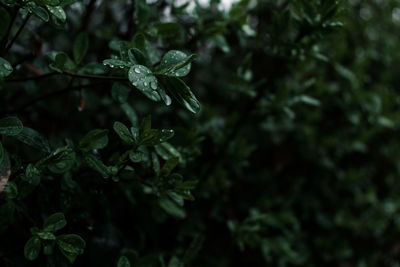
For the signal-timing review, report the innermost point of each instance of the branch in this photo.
(130, 12)
(99, 77)
(33, 78)
(87, 16)
(18, 32)
(4, 42)
(51, 94)
(71, 74)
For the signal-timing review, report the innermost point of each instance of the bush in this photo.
(173, 133)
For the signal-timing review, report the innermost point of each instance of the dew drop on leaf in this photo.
(168, 100)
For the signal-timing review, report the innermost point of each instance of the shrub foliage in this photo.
(172, 133)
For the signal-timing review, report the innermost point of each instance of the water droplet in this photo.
(153, 85)
(112, 66)
(134, 84)
(166, 134)
(145, 84)
(121, 67)
(137, 70)
(167, 100)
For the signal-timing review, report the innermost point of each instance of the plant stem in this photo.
(38, 77)
(18, 32)
(4, 42)
(87, 16)
(68, 73)
(99, 77)
(51, 94)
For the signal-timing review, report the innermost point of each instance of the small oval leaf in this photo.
(32, 248)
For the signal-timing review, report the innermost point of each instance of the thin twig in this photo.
(51, 94)
(68, 73)
(99, 77)
(32, 78)
(4, 42)
(87, 16)
(130, 18)
(18, 32)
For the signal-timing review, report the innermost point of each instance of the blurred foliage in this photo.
(178, 133)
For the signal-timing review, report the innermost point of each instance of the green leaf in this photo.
(123, 262)
(10, 126)
(32, 174)
(166, 151)
(54, 222)
(49, 2)
(38, 11)
(120, 92)
(175, 63)
(130, 113)
(165, 98)
(80, 47)
(171, 208)
(136, 156)
(165, 134)
(5, 67)
(71, 246)
(32, 248)
(156, 163)
(143, 79)
(175, 262)
(46, 236)
(181, 92)
(61, 62)
(146, 124)
(153, 137)
(123, 132)
(97, 165)
(187, 185)
(116, 63)
(5, 22)
(95, 139)
(141, 13)
(93, 68)
(33, 138)
(149, 137)
(136, 134)
(58, 12)
(137, 57)
(60, 160)
(169, 165)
